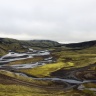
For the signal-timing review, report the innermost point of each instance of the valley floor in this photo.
(46, 73)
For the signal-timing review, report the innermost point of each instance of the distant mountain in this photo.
(40, 43)
(81, 45)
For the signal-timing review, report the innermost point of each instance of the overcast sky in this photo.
(59, 20)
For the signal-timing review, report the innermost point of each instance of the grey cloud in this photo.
(60, 20)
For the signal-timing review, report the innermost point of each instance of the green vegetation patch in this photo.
(16, 90)
(79, 57)
(45, 70)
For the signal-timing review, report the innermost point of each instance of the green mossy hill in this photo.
(31, 43)
(7, 44)
(40, 43)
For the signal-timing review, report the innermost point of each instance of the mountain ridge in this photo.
(80, 45)
(19, 45)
